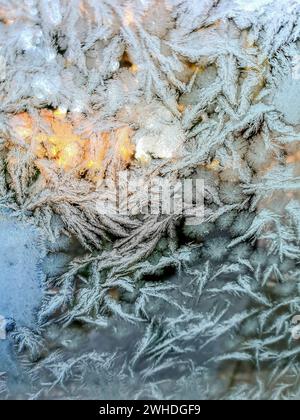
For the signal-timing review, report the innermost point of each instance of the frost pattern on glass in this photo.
(149, 306)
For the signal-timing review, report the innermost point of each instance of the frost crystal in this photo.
(140, 305)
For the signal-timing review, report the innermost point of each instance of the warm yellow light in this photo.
(294, 158)
(128, 17)
(70, 152)
(196, 68)
(181, 107)
(60, 113)
(91, 164)
(134, 68)
(124, 146)
(54, 151)
(214, 165)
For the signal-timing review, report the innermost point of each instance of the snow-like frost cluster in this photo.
(150, 306)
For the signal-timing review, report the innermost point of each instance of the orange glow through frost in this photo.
(68, 150)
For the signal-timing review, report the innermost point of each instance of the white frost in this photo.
(161, 135)
(251, 6)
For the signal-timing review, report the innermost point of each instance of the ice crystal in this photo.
(141, 305)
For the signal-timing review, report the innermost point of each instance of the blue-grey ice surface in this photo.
(21, 255)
